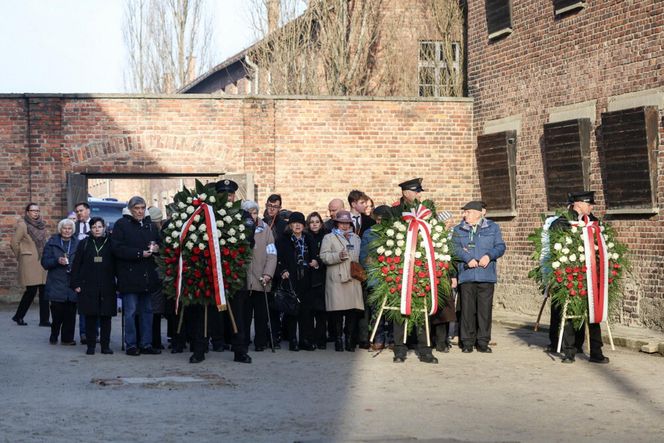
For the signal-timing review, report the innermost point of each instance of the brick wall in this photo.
(309, 150)
(611, 47)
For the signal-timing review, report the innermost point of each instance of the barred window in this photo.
(435, 78)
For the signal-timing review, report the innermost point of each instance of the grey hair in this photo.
(136, 200)
(248, 205)
(63, 222)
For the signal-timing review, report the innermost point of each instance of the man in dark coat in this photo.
(134, 241)
(580, 204)
(279, 226)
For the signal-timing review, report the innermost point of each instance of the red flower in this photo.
(446, 265)
(614, 273)
(201, 284)
(197, 294)
(169, 272)
(390, 260)
(397, 260)
(572, 292)
(570, 285)
(439, 273)
(397, 279)
(168, 251)
(580, 277)
(580, 285)
(227, 271)
(208, 293)
(418, 262)
(196, 250)
(427, 288)
(399, 287)
(583, 268)
(385, 269)
(559, 279)
(583, 292)
(206, 253)
(422, 274)
(235, 277)
(388, 279)
(197, 274)
(570, 277)
(392, 267)
(196, 202)
(190, 281)
(610, 280)
(226, 285)
(576, 269)
(208, 271)
(234, 254)
(558, 272)
(392, 290)
(194, 258)
(568, 270)
(241, 249)
(226, 251)
(381, 258)
(616, 265)
(437, 282)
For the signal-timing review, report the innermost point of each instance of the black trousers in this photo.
(104, 330)
(238, 304)
(573, 339)
(64, 321)
(320, 327)
(554, 328)
(26, 301)
(441, 334)
(194, 329)
(476, 313)
(400, 348)
(350, 326)
(216, 327)
(156, 331)
(256, 310)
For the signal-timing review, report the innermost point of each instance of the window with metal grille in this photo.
(436, 76)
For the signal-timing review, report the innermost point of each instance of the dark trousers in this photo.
(554, 328)
(476, 313)
(320, 327)
(441, 334)
(194, 322)
(256, 310)
(104, 322)
(64, 321)
(238, 304)
(156, 331)
(216, 327)
(303, 323)
(171, 318)
(26, 301)
(349, 317)
(400, 348)
(573, 339)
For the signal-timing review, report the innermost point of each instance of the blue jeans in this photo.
(141, 305)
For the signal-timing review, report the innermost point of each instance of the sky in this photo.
(65, 46)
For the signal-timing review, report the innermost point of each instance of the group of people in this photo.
(84, 269)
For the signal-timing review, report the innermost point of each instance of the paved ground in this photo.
(518, 393)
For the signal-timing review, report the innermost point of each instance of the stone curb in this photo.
(624, 342)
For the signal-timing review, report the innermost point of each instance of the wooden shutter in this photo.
(498, 17)
(496, 162)
(628, 158)
(561, 7)
(77, 190)
(566, 159)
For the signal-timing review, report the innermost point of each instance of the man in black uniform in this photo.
(410, 192)
(580, 204)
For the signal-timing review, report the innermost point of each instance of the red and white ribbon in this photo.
(207, 212)
(417, 224)
(597, 274)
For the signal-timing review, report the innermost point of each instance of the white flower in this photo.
(189, 199)
(176, 244)
(238, 216)
(212, 199)
(555, 264)
(601, 229)
(222, 242)
(438, 228)
(400, 243)
(568, 241)
(181, 205)
(192, 228)
(229, 204)
(218, 233)
(175, 234)
(184, 216)
(241, 228)
(437, 256)
(221, 212)
(439, 244)
(400, 226)
(202, 197)
(197, 218)
(596, 248)
(445, 249)
(435, 236)
(572, 257)
(190, 210)
(557, 246)
(582, 224)
(398, 251)
(205, 237)
(193, 237)
(610, 245)
(565, 251)
(574, 230)
(242, 236)
(232, 240)
(418, 254)
(202, 228)
(178, 224)
(189, 245)
(388, 253)
(400, 236)
(582, 257)
(201, 246)
(167, 239)
(580, 249)
(447, 258)
(615, 256)
(220, 224)
(563, 259)
(231, 232)
(380, 250)
(389, 243)
(228, 219)
(433, 222)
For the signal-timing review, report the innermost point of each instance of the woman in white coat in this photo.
(343, 293)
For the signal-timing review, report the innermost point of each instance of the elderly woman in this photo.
(57, 259)
(93, 279)
(27, 245)
(343, 293)
(297, 256)
(259, 279)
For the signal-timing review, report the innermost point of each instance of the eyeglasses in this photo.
(34, 210)
(273, 206)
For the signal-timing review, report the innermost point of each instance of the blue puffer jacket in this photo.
(487, 240)
(57, 281)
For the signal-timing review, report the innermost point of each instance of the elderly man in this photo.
(335, 205)
(478, 244)
(134, 241)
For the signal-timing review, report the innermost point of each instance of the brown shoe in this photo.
(377, 346)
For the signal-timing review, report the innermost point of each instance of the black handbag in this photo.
(285, 299)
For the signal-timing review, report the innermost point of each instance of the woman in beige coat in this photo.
(27, 245)
(343, 294)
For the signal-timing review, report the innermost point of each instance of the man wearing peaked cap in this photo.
(581, 196)
(410, 192)
(227, 186)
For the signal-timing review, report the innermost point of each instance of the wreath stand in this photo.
(585, 321)
(405, 324)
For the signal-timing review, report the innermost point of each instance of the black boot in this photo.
(350, 345)
(339, 345)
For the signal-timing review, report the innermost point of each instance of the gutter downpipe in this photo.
(254, 67)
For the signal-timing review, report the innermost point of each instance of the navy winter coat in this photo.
(136, 274)
(57, 281)
(487, 240)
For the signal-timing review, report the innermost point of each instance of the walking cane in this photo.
(122, 322)
(267, 310)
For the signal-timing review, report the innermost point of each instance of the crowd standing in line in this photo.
(84, 269)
